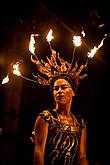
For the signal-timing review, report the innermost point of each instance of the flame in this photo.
(94, 50)
(77, 40)
(32, 42)
(83, 33)
(16, 69)
(5, 80)
(49, 36)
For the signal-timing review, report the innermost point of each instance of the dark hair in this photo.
(67, 77)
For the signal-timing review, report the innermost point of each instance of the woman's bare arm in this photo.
(41, 131)
(82, 153)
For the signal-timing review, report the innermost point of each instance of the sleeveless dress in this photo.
(63, 140)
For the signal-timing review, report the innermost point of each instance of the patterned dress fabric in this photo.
(62, 141)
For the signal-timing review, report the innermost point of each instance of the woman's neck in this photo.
(65, 116)
(63, 110)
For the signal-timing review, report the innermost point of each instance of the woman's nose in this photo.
(60, 89)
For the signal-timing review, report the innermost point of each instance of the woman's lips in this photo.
(59, 96)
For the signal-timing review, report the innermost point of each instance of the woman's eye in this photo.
(56, 88)
(64, 87)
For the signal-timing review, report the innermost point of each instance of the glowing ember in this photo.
(49, 36)
(77, 40)
(94, 50)
(83, 33)
(5, 80)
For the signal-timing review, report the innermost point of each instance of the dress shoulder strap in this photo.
(48, 115)
(82, 121)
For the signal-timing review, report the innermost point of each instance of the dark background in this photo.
(18, 20)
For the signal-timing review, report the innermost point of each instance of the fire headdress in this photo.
(57, 67)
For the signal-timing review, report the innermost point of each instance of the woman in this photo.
(59, 137)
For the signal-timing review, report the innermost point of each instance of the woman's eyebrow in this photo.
(61, 85)
(64, 85)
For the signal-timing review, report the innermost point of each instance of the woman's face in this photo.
(62, 91)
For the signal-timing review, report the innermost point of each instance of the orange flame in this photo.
(77, 40)
(83, 33)
(16, 69)
(5, 80)
(32, 42)
(94, 50)
(49, 36)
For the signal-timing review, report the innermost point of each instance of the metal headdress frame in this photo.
(51, 69)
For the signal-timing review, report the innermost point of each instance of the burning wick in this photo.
(49, 38)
